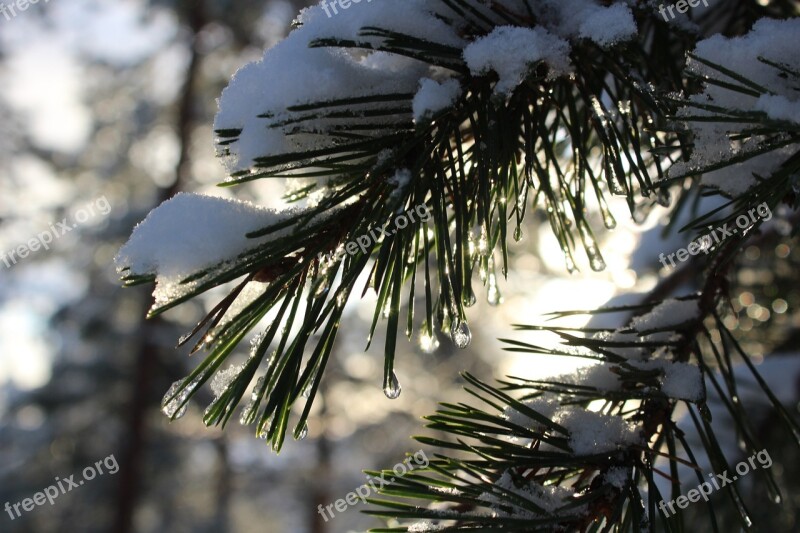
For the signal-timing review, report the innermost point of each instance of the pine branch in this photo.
(475, 166)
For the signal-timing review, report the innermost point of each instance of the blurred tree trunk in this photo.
(142, 393)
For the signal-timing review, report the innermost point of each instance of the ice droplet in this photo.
(518, 234)
(609, 220)
(263, 431)
(493, 295)
(247, 412)
(255, 342)
(469, 299)
(393, 389)
(461, 334)
(244, 418)
(341, 300)
(483, 242)
(175, 406)
(428, 342)
(322, 289)
(597, 263)
(571, 268)
(303, 433)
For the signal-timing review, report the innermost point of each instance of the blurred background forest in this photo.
(116, 100)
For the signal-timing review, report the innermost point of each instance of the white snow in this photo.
(667, 314)
(775, 40)
(191, 232)
(632, 352)
(402, 178)
(594, 433)
(590, 432)
(411, 17)
(586, 19)
(779, 107)
(599, 376)
(223, 378)
(425, 526)
(681, 381)
(433, 97)
(607, 26)
(543, 405)
(617, 476)
(291, 73)
(550, 498)
(511, 51)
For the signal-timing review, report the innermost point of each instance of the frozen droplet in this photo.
(518, 234)
(469, 299)
(444, 323)
(247, 413)
(493, 293)
(597, 263)
(174, 412)
(609, 220)
(461, 334)
(428, 342)
(571, 268)
(303, 432)
(341, 299)
(257, 388)
(255, 342)
(174, 406)
(471, 248)
(483, 243)
(322, 290)
(393, 389)
(263, 430)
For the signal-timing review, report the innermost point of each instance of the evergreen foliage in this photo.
(558, 145)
